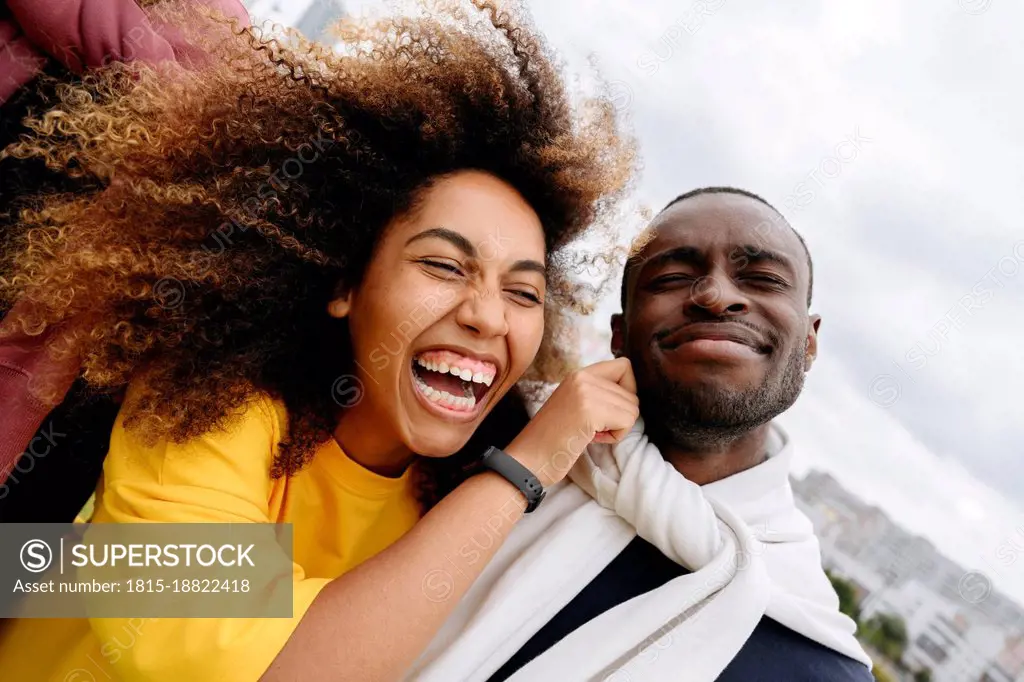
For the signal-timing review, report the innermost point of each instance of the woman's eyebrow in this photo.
(451, 236)
(528, 265)
(464, 245)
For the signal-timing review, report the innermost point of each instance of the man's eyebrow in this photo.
(451, 236)
(753, 255)
(686, 255)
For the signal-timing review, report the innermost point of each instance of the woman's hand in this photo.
(595, 404)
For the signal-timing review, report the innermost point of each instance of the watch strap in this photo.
(500, 462)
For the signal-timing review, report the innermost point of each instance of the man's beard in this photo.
(710, 416)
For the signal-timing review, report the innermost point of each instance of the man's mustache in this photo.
(769, 335)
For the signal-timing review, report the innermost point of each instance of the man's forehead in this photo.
(716, 222)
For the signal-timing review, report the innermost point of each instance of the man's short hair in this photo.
(634, 257)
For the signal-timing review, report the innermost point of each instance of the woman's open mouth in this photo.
(450, 382)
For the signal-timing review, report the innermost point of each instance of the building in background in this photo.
(958, 637)
(311, 17)
(318, 18)
(941, 637)
(1009, 664)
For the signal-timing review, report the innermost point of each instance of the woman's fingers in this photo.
(613, 407)
(618, 371)
(595, 404)
(613, 388)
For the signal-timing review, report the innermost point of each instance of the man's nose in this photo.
(716, 296)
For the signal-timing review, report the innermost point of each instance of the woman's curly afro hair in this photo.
(225, 205)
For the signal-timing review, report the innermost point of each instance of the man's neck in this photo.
(703, 463)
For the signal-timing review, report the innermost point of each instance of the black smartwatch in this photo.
(499, 461)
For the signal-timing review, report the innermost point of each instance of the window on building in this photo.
(930, 647)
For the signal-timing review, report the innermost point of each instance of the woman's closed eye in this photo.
(446, 269)
(451, 270)
(525, 297)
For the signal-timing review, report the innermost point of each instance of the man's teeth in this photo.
(462, 373)
(465, 402)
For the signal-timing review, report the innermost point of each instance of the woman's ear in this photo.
(340, 306)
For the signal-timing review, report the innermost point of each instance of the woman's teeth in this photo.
(462, 372)
(452, 380)
(466, 402)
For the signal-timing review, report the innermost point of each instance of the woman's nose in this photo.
(484, 313)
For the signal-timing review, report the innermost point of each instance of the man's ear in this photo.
(340, 306)
(618, 335)
(812, 341)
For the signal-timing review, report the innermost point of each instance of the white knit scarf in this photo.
(751, 553)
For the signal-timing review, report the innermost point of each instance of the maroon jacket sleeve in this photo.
(20, 61)
(80, 34)
(32, 382)
(83, 34)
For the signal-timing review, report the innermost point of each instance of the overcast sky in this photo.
(891, 135)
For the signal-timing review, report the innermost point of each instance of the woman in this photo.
(319, 274)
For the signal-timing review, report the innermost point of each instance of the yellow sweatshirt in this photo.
(342, 514)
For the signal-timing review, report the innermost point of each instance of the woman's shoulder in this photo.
(223, 474)
(241, 444)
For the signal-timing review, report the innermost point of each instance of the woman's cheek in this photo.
(525, 338)
(379, 360)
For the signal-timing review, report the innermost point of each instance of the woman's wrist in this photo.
(541, 467)
(505, 500)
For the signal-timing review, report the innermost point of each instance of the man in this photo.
(716, 325)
